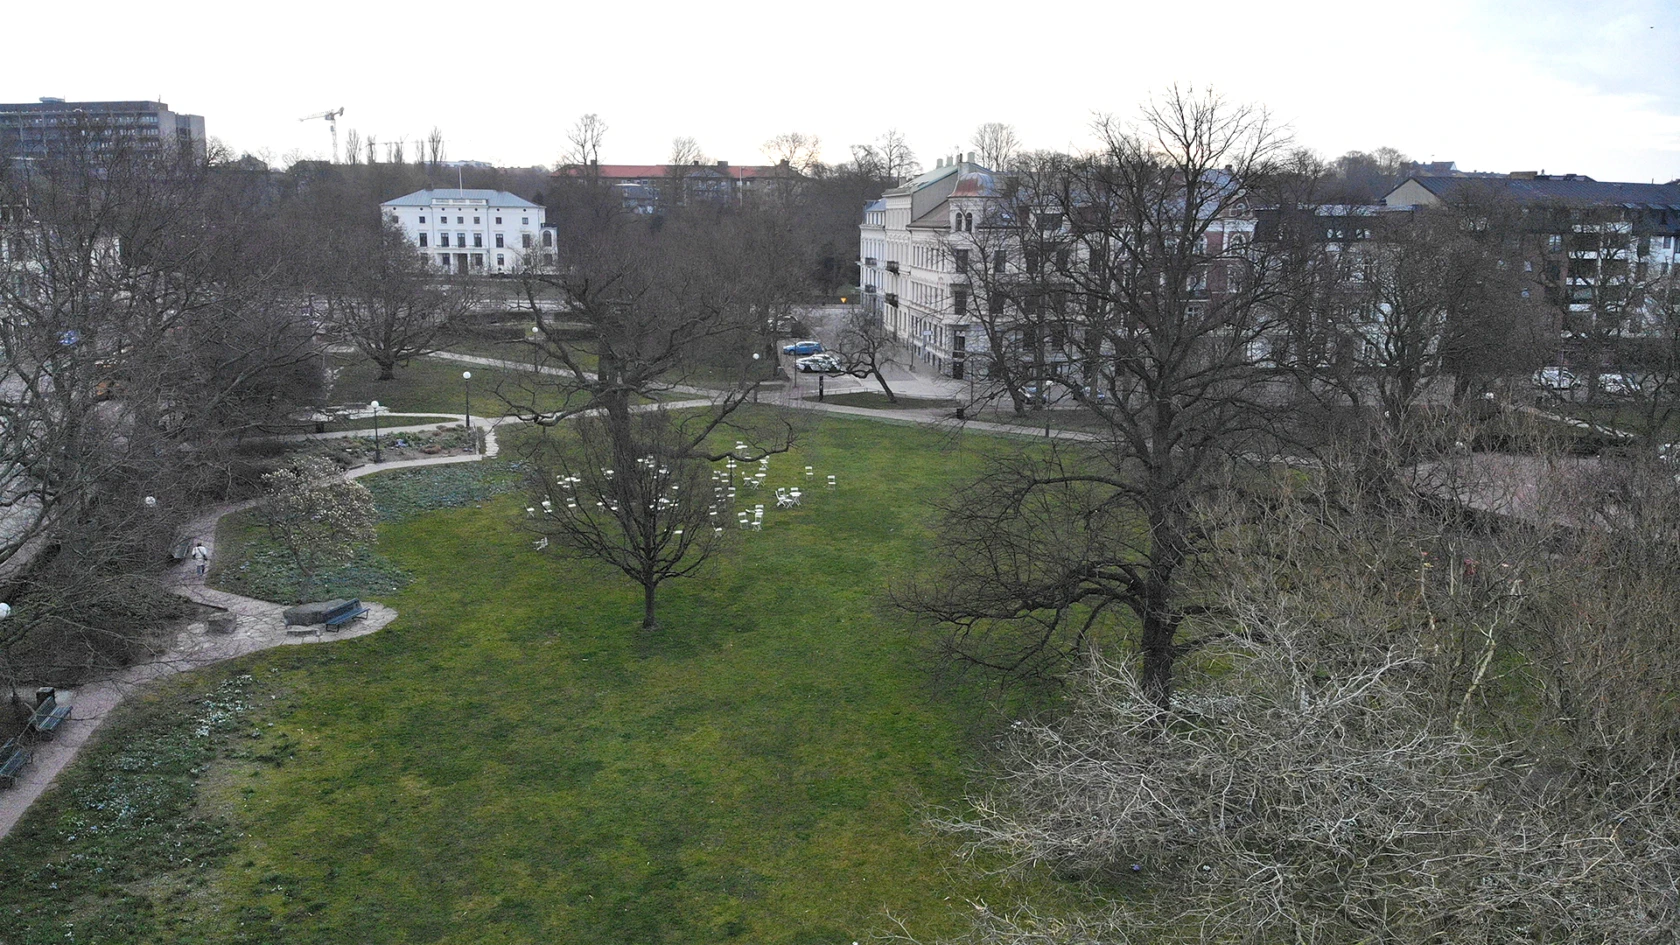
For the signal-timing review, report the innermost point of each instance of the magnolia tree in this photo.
(316, 515)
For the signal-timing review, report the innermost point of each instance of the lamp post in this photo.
(466, 386)
(756, 357)
(378, 457)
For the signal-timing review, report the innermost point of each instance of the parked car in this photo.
(820, 363)
(1555, 378)
(1616, 383)
(803, 347)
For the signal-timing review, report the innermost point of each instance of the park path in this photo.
(258, 625)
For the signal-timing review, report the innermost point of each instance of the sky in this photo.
(1547, 85)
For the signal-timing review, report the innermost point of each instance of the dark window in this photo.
(962, 260)
(443, 239)
(498, 241)
(1000, 259)
(994, 303)
(422, 218)
(475, 220)
(959, 303)
(498, 221)
(422, 239)
(525, 240)
(1062, 258)
(548, 237)
(478, 240)
(1032, 261)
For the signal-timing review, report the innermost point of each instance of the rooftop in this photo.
(425, 198)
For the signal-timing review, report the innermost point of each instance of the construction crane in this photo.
(331, 115)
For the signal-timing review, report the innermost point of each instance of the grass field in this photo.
(513, 761)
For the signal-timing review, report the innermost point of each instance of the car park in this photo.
(821, 363)
(803, 348)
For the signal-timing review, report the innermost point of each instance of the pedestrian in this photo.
(200, 556)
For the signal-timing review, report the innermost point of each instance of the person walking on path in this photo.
(200, 556)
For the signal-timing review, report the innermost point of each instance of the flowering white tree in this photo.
(316, 515)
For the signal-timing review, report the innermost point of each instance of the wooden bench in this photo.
(13, 756)
(344, 613)
(48, 715)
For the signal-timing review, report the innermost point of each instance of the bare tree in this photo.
(372, 145)
(585, 137)
(434, 147)
(864, 348)
(898, 162)
(381, 296)
(353, 147)
(1157, 319)
(995, 145)
(677, 302)
(799, 151)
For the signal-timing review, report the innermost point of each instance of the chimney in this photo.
(723, 164)
(971, 157)
(938, 163)
(1523, 175)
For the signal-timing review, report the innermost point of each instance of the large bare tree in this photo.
(683, 302)
(1153, 315)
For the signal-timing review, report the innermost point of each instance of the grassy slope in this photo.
(512, 762)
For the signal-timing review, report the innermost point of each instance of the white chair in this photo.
(794, 497)
(758, 519)
(831, 482)
(742, 519)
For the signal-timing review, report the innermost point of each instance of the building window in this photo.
(422, 240)
(443, 239)
(460, 239)
(478, 260)
(475, 221)
(1000, 259)
(525, 240)
(968, 222)
(443, 260)
(499, 261)
(478, 241)
(422, 218)
(524, 221)
(548, 238)
(498, 221)
(962, 260)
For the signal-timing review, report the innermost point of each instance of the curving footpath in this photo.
(259, 625)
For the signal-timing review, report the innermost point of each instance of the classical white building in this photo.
(474, 231)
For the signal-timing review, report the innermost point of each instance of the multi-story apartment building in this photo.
(952, 256)
(646, 188)
(1601, 253)
(37, 130)
(474, 231)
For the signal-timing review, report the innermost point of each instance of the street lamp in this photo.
(756, 357)
(466, 385)
(378, 457)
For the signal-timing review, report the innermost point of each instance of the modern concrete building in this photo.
(646, 188)
(38, 130)
(474, 231)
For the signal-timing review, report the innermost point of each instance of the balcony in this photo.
(870, 261)
(892, 265)
(869, 290)
(892, 299)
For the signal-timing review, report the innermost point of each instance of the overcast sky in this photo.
(1591, 88)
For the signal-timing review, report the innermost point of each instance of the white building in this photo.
(474, 231)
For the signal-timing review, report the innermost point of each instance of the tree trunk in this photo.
(1159, 654)
(649, 589)
(881, 379)
(387, 370)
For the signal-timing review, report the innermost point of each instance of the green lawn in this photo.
(429, 385)
(513, 761)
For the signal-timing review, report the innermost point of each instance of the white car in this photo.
(1555, 378)
(1612, 382)
(819, 363)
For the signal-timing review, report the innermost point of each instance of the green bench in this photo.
(345, 612)
(13, 756)
(48, 716)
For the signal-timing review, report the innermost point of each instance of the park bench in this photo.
(344, 613)
(13, 756)
(47, 717)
